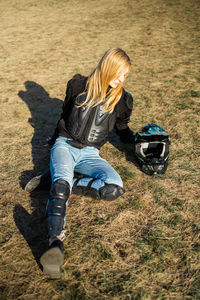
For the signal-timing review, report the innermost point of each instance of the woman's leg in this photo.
(99, 178)
(62, 167)
(63, 160)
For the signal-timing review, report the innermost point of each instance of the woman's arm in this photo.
(121, 126)
(65, 110)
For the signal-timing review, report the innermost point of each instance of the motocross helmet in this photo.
(151, 149)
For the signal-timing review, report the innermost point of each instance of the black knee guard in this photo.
(56, 208)
(111, 192)
(87, 191)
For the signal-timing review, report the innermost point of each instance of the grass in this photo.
(145, 245)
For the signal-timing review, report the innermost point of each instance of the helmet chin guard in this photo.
(151, 149)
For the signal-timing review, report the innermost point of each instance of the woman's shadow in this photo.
(45, 112)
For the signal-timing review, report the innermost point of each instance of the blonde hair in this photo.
(113, 63)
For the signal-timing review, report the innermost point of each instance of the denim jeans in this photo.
(66, 159)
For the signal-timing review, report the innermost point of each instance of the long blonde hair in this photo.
(113, 63)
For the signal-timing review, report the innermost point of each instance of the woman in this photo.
(93, 107)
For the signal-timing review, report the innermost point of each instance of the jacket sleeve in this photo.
(67, 102)
(121, 126)
(65, 110)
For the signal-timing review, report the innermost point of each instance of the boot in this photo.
(41, 182)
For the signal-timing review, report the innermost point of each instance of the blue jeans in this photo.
(66, 159)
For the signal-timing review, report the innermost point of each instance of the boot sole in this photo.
(51, 261)
(33, 184)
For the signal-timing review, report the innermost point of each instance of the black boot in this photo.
(41, 182)
(53, 259)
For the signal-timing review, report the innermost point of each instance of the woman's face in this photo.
(115, 82)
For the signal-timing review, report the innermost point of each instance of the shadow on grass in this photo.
(126, 148)
(33, 228)
(45, 112)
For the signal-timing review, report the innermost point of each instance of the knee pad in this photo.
(60, 190)
(56, 207)
(111, 192)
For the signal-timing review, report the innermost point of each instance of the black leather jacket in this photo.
(91, 126)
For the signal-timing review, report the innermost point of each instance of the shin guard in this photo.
(56, 207)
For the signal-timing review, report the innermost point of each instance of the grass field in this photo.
(145, 245)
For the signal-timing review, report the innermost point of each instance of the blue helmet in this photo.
(151, 149)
